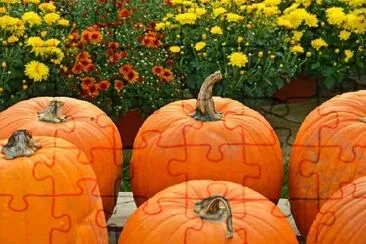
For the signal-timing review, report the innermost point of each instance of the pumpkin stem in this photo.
(53, 113)
(20, 143)
(211, 209)
(205, 107)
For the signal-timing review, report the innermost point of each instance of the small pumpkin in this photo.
(48, 193)
(341, 219)
(80, 123)
(189, 140)
(205, 211)
(328, 152)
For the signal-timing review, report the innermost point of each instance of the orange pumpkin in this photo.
(205, 211)
(80, 123)
(189, 140)
(342, 218)
(328, 152)
(48, 193)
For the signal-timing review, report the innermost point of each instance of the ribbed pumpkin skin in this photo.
(328, 152)
(88, 127)
(171, 147)
(168, 217)
(342, 218)
(50, 197)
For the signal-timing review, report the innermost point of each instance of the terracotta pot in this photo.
(128, 125)
(299, 90)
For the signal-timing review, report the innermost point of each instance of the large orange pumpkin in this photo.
(48, 193)
(328, 152)
(189, 140)
(342, 218)
(80, 123)
(204, 211)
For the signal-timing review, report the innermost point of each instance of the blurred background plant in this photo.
(32, 38)
(329, 35)
(238, 37)
(116, 58)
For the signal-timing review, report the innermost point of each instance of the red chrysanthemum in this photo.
(104, 85)
(125, 69)
(118, 85)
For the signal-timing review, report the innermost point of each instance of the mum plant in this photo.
(329, 35)
(238, 37)
(117, 59)
(31, 40)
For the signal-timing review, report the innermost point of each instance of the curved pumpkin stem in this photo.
(210, 209)
(20, 143)
(205, 107)
(53, 113)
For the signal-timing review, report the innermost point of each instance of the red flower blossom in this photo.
(167, 75)
(124, 13)
(125, 69)
(118, 85)
(93, 90)
(158, 70)
(113, 45)
(87, 82)
(77, 68)
(82, 56)
(104, 85)
(131, 77)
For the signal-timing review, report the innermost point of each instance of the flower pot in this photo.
(128, 125)
(298, 90)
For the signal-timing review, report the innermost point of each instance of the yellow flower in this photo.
(240, 39)
(349, 55)
(199, 46)
(47, 7)
(238, 59)
(260, 54)
(12, 39)
(43, 34)
(335, 16)
(344, 35)
(2, 10)
(297, 35)
(174, 49)
(31, 18)
(318, 43)
(36, 70)
(204, 36)
(160, 26)
(32, 1)
(231, 17)
(200, 11)
(64, 22)
(52, 42)
(51, 18)
(336, 50)
(186, 18)
(219, 11)
(297, 49)
(216, 30)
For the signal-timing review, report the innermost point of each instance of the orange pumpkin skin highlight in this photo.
(50, 197)
(169, 217)
(171, 147)
(328, 152)
(88, 127)
(342, 218)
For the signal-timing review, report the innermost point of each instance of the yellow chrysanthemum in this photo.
(186, 18)
(31, 18)
(174, 49)
(297, 49)
(349, 54)
(318, 43)
(12, 39)
(199, 46)
(2, 10)
(231, 17)
(32, 1)
(297, 35)
(344, 35)
(64, 22)
(219, 11)
(238, 59)
(216, 30)
(335, 16)
(36, 70)
(51, 18)
(47, 7)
